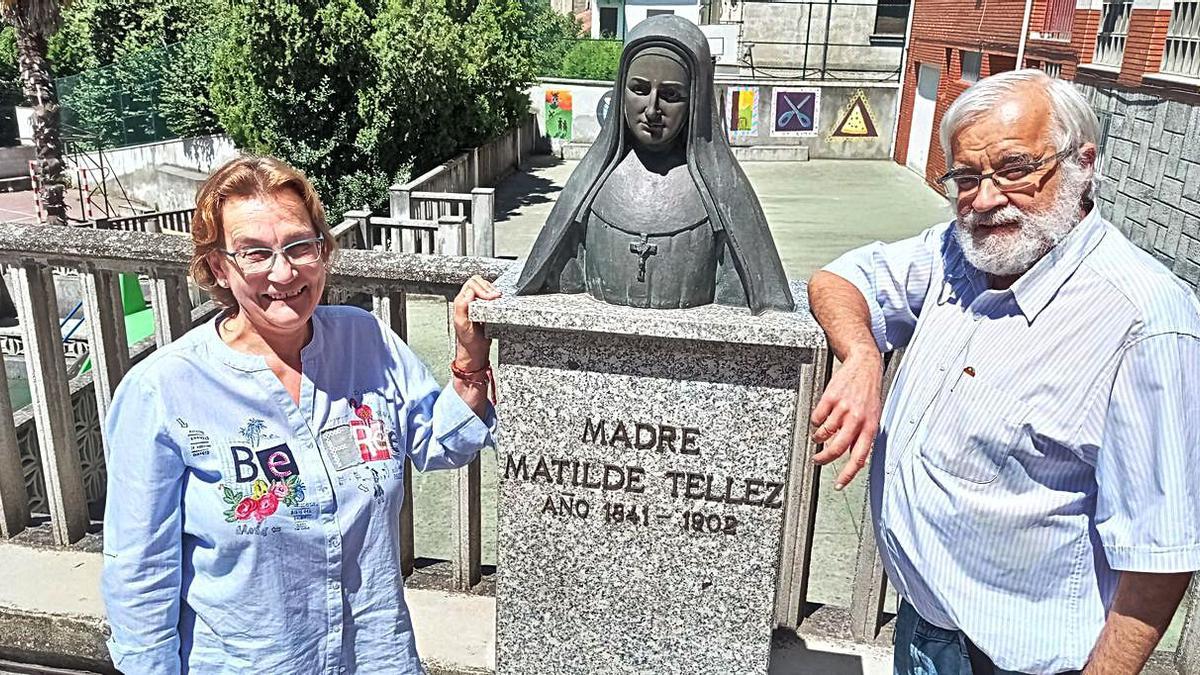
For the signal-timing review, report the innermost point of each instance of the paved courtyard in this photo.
(817, 210)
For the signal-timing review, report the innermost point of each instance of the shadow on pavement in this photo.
(526, 187)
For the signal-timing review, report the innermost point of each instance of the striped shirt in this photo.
(1036, 439)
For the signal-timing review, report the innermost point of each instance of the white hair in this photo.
(1072, 121)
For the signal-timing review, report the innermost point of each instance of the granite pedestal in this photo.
(643, 459)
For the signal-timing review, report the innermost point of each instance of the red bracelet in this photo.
(479, 376)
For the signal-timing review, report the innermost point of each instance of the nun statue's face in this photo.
(656, 99)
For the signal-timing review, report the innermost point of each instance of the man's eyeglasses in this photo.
(255, 260)
(1007, 179)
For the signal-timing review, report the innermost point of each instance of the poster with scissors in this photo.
(794, 111)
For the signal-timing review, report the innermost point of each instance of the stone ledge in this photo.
(58, 641)
(770, 153)
(579, 312)
(142, 251)
(743, 153)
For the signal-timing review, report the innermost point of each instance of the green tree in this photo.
(592, 60)
(184, 100)
(552, 35)
(286, 81)
(452, 75)
(140, 67)
(96, 33)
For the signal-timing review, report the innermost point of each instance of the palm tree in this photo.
(36, 21)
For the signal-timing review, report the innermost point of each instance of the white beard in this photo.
(1006, 254)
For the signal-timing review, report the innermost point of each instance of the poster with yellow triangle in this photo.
(857, 122)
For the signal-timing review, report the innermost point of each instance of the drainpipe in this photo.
(1024, 34)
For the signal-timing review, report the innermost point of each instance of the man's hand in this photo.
(847, 416)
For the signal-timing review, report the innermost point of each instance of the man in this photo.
(1032, 480)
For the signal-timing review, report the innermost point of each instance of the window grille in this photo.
(1114, 28)
(1182, 53)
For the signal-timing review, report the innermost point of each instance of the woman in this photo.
(256, 465)
(658, 213)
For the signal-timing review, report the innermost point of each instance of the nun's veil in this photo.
(554, 262)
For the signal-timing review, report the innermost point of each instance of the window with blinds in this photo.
(1056, 25)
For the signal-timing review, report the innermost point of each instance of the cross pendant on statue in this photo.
(643, 250)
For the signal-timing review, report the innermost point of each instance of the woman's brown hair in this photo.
(246, 176)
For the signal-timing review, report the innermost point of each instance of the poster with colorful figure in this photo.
(741, 105)
(795, 111)
(558, 113)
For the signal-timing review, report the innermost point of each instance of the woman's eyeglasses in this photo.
(255, 260)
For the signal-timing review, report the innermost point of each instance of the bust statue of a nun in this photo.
(658, 213)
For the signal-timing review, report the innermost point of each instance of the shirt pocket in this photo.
(973, 430)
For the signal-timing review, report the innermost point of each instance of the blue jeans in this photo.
(925, 649)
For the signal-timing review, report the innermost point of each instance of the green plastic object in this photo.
(131, 294)
(139, 318)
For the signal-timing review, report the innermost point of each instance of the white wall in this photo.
(632, 12)
(635, 14)
(585, 99)
(201, 153)
(619, 5)
(723, 43)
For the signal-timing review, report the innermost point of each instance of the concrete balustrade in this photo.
(59, 425)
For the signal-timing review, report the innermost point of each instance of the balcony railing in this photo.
(1114, 29)
(1182, 53)
(51, 460)
(175, 222)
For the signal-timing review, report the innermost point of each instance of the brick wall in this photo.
(941, 30)
(1083, 39)
(1144, 46)
(1151, 170)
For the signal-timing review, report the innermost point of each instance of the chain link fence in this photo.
(117, 105)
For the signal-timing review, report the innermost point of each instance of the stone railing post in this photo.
(870, 582)
(483, 222)
(103, 308)
(399, 202)
(467, 514)
(800, 507)
(475, 167)
(172, 307)
(363, 218)
(452, 235)
(400, 208)
(37, 303)
(14, 502)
